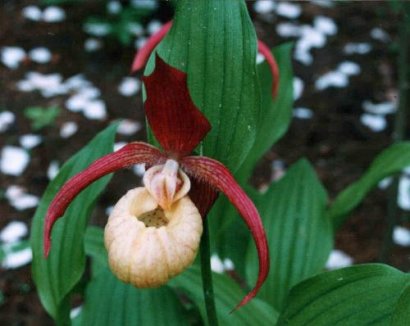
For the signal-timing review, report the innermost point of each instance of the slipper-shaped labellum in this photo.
(153, 232)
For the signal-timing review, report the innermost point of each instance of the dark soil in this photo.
(335, 142)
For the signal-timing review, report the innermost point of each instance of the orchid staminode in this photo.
(153, 232)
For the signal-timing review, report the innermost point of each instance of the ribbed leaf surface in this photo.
(358, 295)
(392, 160)
(299, 234)
(56, 276)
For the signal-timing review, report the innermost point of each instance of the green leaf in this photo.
(401, 314)
(227, 295)
(358, 295)
(109, 301)
(230, 235)
(214, 42)
(276, 113)
(41, 117)
(392, 160)
(94, 246)
(56, 276)
(299, 234)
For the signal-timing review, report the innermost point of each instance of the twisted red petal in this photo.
(143, 54)
(133, 153)
(175, 120)
(203, 195)
(217, 175)
(265, 51)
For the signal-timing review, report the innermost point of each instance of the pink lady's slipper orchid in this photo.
(143, 54)
(153, 232)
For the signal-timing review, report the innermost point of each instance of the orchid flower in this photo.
(143, 54)
(153, 232)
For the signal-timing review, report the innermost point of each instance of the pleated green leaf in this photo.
(214, 42)
(276, 113)
(227, 295)
(109, 302)
(358, 295)
(401, 314)
(56, 276)
(230, 235)
(392, 160)
(299, 234)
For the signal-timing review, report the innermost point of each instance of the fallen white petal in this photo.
(140, 42)
(129, 86)
(264, 6)
(76, 103)
(357, 48)
(97, 29)
(379, 108)
(216, 264)
(146, 4)
(338, 259)
(7, 118)
(325, 25)
(139, 169)
(401, 236)
(288, 10)
(14, 160)
(302, 113)
(75, 312)
(95, 110)
(25, 201)
(11, 56)
(332, 79)
(32, 13)
(298, 86)
(376, 123)
(17, 259)
(53, 170)
(53, 14)
(13, 231)
(68, 129)
(114, 7)
(92, 44)
(30, 141)
(40, 55)
(153, 27)
(228, 264)
(288, 29)
(135, 28)
(119, 145)
(403, 196)
(25, 86)
(128, 127)
(385, 183)
(349, 68)
(379, 34)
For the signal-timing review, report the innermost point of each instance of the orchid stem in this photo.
(399, 132)
(206, 272)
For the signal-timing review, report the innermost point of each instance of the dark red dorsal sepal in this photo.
(176, 122)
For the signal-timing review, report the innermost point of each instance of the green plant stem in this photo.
(399, 130)
(206, 272)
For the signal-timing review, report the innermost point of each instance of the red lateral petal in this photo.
(217, 175)
(203, 196)
(133, 153)
(175, 120)
(143, 54)
(265, 51)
